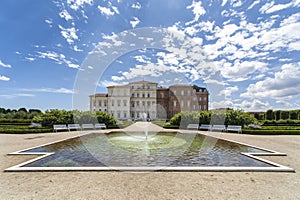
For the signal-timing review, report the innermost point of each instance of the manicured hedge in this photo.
(17, 130)
(15, 121)
(271, 132)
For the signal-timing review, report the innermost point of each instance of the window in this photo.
(194, 98)
(105, 103)
(162, 95)
(182, 92)
(143, 103)
(189, 92)
(188, 103)
(119, 115)
(194, 107)
(100, 103)
(137, 95)
(148, 95)
(125, 102)
(112, 103)
(125, 115)
(132, 95)
(200, 107)
(204, 98)
(119, 103)
(182, 104)
(204, 107)
(132, 104)
(200, 99)
(143, 95)
(175, 103)
(174, 92)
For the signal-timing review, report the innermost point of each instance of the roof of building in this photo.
(99, 95)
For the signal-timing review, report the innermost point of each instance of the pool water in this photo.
(120, 149)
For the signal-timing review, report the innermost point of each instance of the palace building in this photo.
(143, 99)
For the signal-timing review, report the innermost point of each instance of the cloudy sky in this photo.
(251, 49)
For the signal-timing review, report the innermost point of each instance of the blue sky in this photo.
(253, 47)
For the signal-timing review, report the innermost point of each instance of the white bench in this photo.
(87, 126)
(234, 128)
(205, 127)
(100, 126)
(193, 126)
(218, 128)
(74, 126)
(58, 127)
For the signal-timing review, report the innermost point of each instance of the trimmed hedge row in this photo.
(16, 130)
(271, 132)
(281, 123)
(15, 121)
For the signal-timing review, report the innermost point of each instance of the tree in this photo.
(284, 115)
(294, 114)
(277, 114)
(269, 115)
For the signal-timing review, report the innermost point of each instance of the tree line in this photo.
(278, 115)
(21, 113)
(228, 117)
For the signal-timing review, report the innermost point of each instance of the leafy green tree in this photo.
(269, 115)
(277, 114)
(105, 118)
(284, 115)
(294, 114)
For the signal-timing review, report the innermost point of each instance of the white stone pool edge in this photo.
(276, 167)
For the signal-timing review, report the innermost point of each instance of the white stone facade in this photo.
(135, 100)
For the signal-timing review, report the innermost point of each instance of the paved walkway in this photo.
(141, 126)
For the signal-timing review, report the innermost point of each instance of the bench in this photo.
(193, 126)
(58, 127)
(218, 128)
(87, 126)
(100, 126)
(205, 127)
(74, 126)
(234, 128)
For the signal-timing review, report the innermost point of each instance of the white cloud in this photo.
(291, 19)
(255, 105)
(227, 91)
(224, 2)
(11, 96)
(4, 65)
(30, 58)
(65, 15)
(108, 11)
(58, 58)
(69, 34)
(240, 70)
(285, 83)
(236, 3)
(253, 4)
(136, 5)
(50, 90)
(4, 78)
(135, 22)
(197, 9)
(76, 4)
(142, 59)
